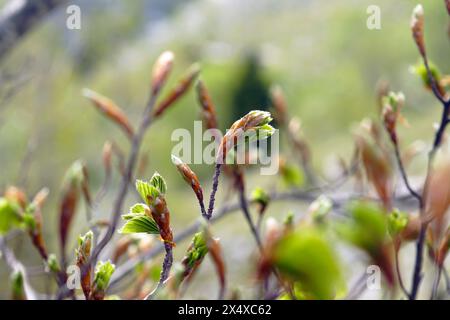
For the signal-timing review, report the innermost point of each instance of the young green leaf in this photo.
(140, 224)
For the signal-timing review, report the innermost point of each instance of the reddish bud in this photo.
(180, 89)
(189, 176)
(110, 110)
(161, 71)
(417, 28)
(208, 109)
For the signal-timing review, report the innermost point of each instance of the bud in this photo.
(392, 105)
(106, 157)
(17, 195)
(208, 109)
(180, 89)
(261, 198)
(17, 286)
(255, 122)
(110, 110)
(447, 3)
(191, 178)
(152, 193)
(53, 264)
(279, 104)
(417, 28)
(437, 198)
(378, 168)
(161, 71)
(103, 273)
(83, 253)
(10, 215)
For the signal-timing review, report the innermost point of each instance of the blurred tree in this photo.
(251, 90)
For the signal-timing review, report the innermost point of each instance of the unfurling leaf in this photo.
(10, 216)
(307, 257)
(368, 230)
(397, 222)
(436, 76)
(110, 110)
(417, 28)
(319, 209)
(17, 286)
(140, 224)
(261, 198)
(391, 113)
(253, 126)
(152, 193)
(292, 175)
(208, 110)
(103, 273)
(83, 254)
(158, 182)
(161, 71)
(180, 89)
(53, 264)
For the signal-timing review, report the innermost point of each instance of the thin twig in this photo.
(167, 264)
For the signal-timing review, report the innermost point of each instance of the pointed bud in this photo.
(107, 157)
(208, 109)
(110, 110)
(279, 103)
(191, 178)
(161, 71)
(16, 195)
(417, 28)
(180, 89)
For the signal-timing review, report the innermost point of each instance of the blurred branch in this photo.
(18, 17)
(16, 265)
(339, 201)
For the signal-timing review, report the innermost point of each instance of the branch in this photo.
(16, 265)
(167, 264)
(294, 195)
(127, 177)
(18, 17)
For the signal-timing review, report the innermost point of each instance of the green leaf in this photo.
(140, 224)
(307, 256)
(158, 182)
(421, 70)
(367, 228)
(17, 285)
(146, 191)
(292, 175)
(9, 216)
(260, 196)
(397, 222)
(198, 249)
(138, 208)
(103, 272)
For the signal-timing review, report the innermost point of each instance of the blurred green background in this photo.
(321, 53)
